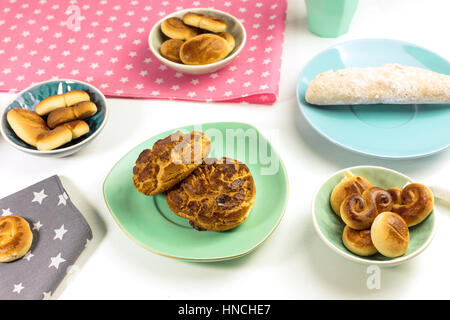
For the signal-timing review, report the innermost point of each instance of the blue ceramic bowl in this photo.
(30, 97)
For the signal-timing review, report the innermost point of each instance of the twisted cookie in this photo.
(348, 185)
(15, 238)
(415, 203)
(359, 211)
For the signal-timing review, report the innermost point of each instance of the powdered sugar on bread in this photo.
(387, 84)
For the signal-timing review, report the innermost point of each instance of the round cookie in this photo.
(358, 241)
(170, 49)
(15, 238)
(174, 28)
(169, 161)
(217, 196)
(229, 39)
(390, 234)
(204, 49)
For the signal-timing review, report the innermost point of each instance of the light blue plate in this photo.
(385, 130)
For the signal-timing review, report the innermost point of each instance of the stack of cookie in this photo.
(213, 194)
(196, 39)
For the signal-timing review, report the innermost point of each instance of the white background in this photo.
(293, 263)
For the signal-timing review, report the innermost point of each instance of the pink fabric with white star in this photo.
(110, 50)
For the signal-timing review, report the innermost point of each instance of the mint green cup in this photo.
(330, 18)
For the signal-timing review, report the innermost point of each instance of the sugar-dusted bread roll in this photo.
(415, 204)
(229, 39)
(204, 49)
(205, 22)
(169, 161)
(79, 111)
(61, 135)
(26, 124)
(390, 234)
(174, 28)
(170, 49)
(387, 84)
(358, 241)
(217, 196)
(15, 238)
(61, 100)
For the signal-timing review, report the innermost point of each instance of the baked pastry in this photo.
(205, 22)
(358, 241)
(390, 234)
(169, 161)
(217, 196)
(15, 238)
(390, 83)
(350, 184)
(174, 28)
(229, 39)
(57, 101)
(61, 135)
(170, 49)
(80, 111)
(26, 124)
(415, 205)
(396, 194)
(359, 211)
(204, 49)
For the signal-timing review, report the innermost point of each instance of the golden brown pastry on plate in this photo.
(229, 39)
(80, 111)
(205, 22)
(350, 184)
(15, 238)
(217, 196)
(170, 49)
(57, 101)
(174, 28)
(390, 234)
(358, 241)
(26, 124)
(415, 204)
(61, 135)
(359, 211)
(169, 161)
(204, 49)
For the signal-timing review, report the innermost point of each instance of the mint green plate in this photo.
(329, 226)
(385, 130)
(149, 222)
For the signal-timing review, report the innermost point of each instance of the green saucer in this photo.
(329, 226)
(148, 221)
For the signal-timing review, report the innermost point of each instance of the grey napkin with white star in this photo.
(60, 234)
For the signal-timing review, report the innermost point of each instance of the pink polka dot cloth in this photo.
(105, 43)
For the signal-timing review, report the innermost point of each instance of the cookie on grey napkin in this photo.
(60, 234)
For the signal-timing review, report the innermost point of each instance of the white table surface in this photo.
(293, 263)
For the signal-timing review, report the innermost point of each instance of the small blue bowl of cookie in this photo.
(54, 118)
